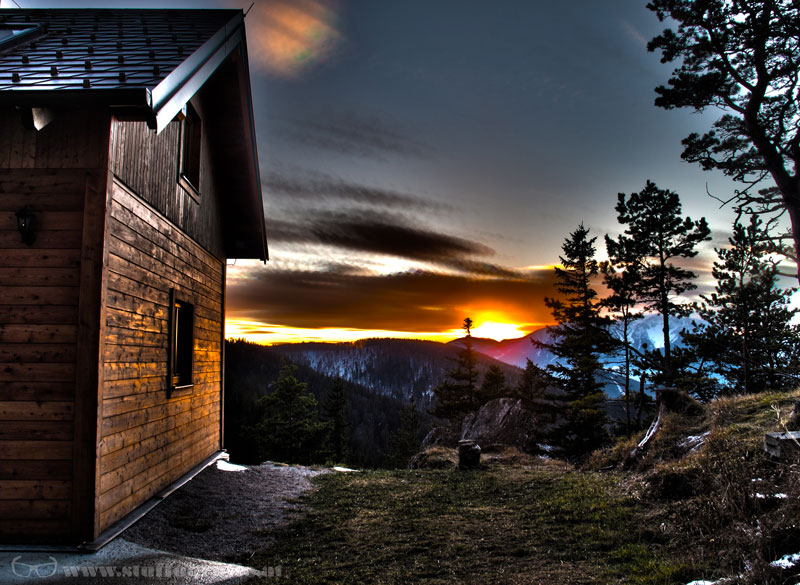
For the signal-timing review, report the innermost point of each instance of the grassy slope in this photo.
(508, 524)
(675, 516)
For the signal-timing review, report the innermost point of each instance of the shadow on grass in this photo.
(508, 524)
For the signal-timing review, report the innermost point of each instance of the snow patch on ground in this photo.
(694, 442)
(223, 465)
(787, 561)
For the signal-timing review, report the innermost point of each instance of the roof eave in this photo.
(255, 167)
(175, 90)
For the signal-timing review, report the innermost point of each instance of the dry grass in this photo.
(718, 502)
(685, 510)
(536, 523)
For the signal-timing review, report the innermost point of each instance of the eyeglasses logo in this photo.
(41, 570)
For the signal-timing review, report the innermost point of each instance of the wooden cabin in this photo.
(128, 175)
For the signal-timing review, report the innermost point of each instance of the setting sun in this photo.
(497, 331)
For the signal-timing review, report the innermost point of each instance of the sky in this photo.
(423, 161)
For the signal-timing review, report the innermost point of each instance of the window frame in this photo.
(180, 346)
(190, 150)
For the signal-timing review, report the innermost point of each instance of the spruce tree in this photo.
(661, 235)
(456, 396)
(581, 336)
(404, 443)
(493, 385)
(622, 275)
(288, 428)
(539, 394)
(747, 334)
(335, 414)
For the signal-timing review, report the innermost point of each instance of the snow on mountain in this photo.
(404, 368)
(646, 332)
(394, 367)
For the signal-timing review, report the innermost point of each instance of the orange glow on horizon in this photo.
(268, 334)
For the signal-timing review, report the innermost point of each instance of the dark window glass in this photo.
(191, 131)
(181, 343)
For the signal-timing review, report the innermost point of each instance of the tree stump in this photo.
(469, 454)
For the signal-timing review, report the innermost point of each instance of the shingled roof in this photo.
(144, 61)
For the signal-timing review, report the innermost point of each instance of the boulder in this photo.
(440, 437)
(434, 458)
(503, 421)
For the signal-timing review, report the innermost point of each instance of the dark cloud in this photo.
(353, 134)
(419, 301)
(326, 188)
(389, 235)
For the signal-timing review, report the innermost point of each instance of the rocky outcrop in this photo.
(503, 421)
(440, 437)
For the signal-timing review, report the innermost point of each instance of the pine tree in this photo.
(493, 386)
(456, 396)
(335, 414)
(741, 57)
(747, 334)
(537, 390)
(288, 429)
(404, 443)
(622, 275)
(581, 336)
(655, 226)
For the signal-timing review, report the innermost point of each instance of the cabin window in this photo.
(181, 343)
(191, 132)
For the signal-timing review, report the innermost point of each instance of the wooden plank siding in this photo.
(148, 163)
(40, 294)
(88, 430)
(149, 439)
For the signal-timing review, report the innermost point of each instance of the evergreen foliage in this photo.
(457, 395)
(747, 337)
(744, 58)
(288, 428)
(335, 414)
(493, 385)
(533, 385)
(581, 337)
(657, 233)
(539, 394)
(405, 442)
(622, 275)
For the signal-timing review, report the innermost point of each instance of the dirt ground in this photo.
(226, 512)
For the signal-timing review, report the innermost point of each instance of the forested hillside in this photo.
(399, 368)
(250, 369)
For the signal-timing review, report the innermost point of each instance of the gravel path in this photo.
(226, 512)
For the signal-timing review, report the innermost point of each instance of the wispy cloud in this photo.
(388, 234)
(353, 134)
(413, 301)
(633, 33)
(321, 188)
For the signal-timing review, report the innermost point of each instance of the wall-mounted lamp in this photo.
(25, 221)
